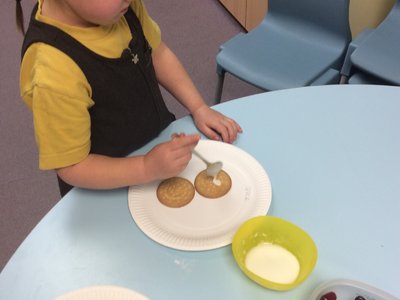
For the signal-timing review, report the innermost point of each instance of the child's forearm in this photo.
(102, 172)
(173, 77)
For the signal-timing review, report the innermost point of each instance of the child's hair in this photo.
(20, 17)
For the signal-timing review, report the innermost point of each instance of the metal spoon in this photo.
(212, 168)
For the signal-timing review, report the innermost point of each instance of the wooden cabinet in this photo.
(255, 12)
(249, 13)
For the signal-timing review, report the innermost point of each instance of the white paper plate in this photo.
(103, 293)
(205, 223)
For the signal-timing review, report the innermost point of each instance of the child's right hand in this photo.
(170, 158)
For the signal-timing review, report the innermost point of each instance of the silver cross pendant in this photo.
(135, 59)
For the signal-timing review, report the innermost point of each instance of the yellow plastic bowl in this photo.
(268, 229)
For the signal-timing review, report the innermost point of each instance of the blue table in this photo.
(333, 157)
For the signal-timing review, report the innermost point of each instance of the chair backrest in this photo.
(327, 15)
(391, 24)
(379, 54)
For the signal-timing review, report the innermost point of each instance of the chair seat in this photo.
(290, 61)
(364, 78)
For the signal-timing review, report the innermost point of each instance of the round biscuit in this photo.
(205, 186)
(175, 192)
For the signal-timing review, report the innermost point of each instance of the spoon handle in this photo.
(201, 157)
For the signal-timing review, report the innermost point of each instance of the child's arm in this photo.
(102, 172)
(172, 75)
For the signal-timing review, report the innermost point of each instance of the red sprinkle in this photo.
(328, 296)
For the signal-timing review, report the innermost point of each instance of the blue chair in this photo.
(374, 56)
(298, 43)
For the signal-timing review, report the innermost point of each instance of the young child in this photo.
(90, 72)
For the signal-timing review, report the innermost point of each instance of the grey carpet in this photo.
(193, 29)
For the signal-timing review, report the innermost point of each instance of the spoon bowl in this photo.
(213, 168)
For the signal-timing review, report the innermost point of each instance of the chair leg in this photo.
(347, 66)
(343, 79)
(220, 83)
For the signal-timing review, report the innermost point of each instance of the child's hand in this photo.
(216, 125)
(170, 158)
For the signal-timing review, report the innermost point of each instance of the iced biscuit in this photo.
(175, 192)
(208, 187)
